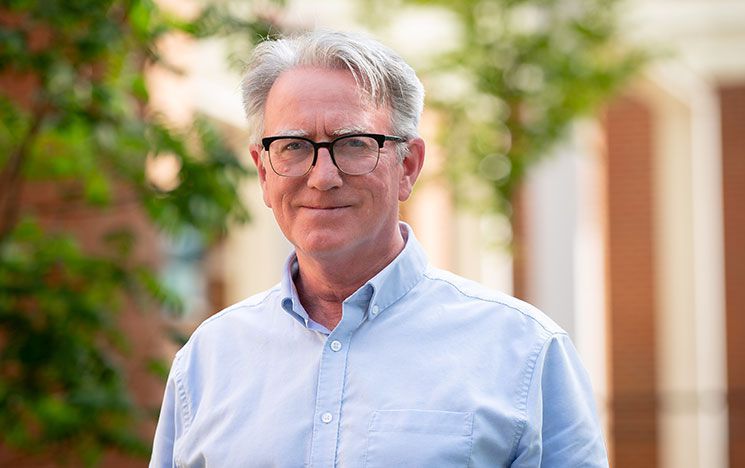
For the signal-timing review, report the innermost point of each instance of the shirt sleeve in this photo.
(169, 426)
(562, 428)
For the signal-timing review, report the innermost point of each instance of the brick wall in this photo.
(631, 323)
(732, 99)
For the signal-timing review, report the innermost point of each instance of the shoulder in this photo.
(501, 306)
(257, 303)
(240, 318)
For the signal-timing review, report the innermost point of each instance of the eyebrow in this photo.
(294, 132)
(349, 130)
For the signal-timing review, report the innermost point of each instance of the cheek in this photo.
(387, 189)
(280, 199)
(274, 190)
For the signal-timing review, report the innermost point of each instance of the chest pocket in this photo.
(419, 438)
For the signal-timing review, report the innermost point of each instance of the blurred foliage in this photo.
(520, 74)
(77, 119)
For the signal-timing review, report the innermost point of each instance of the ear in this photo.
(411, 167)
(256, 151)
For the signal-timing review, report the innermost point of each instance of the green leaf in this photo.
(98, 189)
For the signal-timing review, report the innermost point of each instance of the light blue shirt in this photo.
(425, 369)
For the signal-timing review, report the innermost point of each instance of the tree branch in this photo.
(11, 177)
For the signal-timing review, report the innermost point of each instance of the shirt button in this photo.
(375, 310)
(336, 345)
(327, 417)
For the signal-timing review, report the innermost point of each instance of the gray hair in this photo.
(378, 71)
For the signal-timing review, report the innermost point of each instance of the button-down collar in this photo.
(376, 295)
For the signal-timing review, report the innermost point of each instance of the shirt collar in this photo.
(378, 293)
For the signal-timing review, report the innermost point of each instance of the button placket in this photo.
(331, 382)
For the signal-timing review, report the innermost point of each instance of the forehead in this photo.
(316, 100)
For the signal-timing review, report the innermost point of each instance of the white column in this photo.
(676, 341)
(708, 238)
(691, 323)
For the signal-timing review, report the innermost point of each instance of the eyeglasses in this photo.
(356, 154)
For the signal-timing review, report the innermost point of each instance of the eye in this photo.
(292, 146)
(357, 143)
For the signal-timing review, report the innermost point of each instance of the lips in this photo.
(326, 208)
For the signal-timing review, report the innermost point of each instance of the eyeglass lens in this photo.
(354, 155)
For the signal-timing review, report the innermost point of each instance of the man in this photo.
(364, 355)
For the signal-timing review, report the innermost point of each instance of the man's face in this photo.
(326, 212)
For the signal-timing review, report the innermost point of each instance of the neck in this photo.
(324, 282)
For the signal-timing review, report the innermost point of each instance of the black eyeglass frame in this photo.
(329, 145)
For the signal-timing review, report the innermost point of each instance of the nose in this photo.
(324, 175)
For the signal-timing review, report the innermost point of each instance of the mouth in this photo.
(326, 208)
